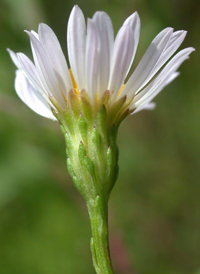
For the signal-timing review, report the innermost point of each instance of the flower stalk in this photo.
(99, 242)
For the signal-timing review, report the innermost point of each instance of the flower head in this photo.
(99, 66)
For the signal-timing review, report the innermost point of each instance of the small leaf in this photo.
(101, 119)
(110, 158)
(116, 108)
(85, 161)
(113, 135)
(70, 167)
(74, 100)
(69, 121)
(83, 128)
(103, 100)
(96, 139)
(79, 186)
(87, 109)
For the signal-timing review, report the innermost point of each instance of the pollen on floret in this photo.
(120, 90)
(75, 87)
(96, 98)
(62, 93)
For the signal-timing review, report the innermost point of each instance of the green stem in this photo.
(99, 242)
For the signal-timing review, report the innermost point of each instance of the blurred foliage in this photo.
(155, 205)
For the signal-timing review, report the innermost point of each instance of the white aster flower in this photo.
(99, 64)
(92, 98)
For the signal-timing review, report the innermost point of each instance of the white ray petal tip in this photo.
(27, 32)
(189, 50)
(184, 31)
(135, 14)
(14, 58)
(75, 10)
(11, 53)
(171, 29)
(133, 20)
(42, 25)
(75, 15)
(30, 33)
(42, 28)
(101, 14)
(168, 29)
(150, 106)
(192, 49)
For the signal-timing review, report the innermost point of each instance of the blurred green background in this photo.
(155, 205)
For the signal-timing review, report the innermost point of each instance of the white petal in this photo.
(92, 58)
(176, 39)
(14, 58)
(53, 49)
(148, 106)
(174, 64)
(148, 97)
(30, 70)
(122, 53)
(173, 44)
(45, 70)
(104, 27)
(139, 77)
(166, 76)
(35, 34)
(30, 97)
(134, 22)
(76, 41)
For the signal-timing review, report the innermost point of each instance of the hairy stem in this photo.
(99, 242)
